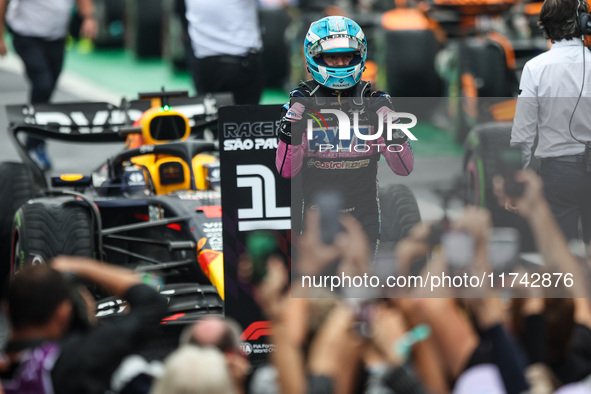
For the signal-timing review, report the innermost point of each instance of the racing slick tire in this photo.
(143, 27)
(43, 230)
(416, 75)
(400, 212)
(176, 43)
(274, 22)
(481, 163)
(17, 188)
(486, 61)
(483, 73)
(109, 15)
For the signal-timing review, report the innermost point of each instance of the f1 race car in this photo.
(153, 207)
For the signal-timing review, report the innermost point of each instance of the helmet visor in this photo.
(337, 43)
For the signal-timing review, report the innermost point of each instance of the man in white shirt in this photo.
(553, 102)
(39, 29)
(226, 41)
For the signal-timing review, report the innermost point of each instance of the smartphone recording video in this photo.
(329, 204)
(363, 311)
(511, 161)
(503, 247)
(458, 248)
(260, 245)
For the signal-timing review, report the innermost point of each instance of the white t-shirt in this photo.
(47, 19)
(223, 27)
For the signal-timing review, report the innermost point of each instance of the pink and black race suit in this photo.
(325, 161)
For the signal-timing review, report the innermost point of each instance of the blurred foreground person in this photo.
(223, 334)
(320, 346)
(558, 332)
(195, 370)
(45, 355)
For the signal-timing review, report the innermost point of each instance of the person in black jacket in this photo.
(44, 355)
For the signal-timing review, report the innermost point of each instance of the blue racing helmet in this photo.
(335, 34)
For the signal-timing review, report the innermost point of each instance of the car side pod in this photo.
(212, 265)
(71, 180)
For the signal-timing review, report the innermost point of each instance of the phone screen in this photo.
(458, 247)
(503, 247)
(329, 204)
(511, 161)
(259, 246)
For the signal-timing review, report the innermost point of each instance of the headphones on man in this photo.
(583, 21)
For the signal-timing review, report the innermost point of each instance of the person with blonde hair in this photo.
(195, 370)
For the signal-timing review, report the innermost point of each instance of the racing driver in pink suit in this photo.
(336, 49)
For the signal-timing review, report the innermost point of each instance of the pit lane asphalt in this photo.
(429, 172)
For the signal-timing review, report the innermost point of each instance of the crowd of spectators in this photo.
(480, 341)
(461, 341)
